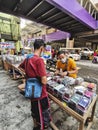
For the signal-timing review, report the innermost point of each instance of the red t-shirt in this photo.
(35, 67)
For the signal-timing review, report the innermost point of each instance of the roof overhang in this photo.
(76, 11)
(67, 16)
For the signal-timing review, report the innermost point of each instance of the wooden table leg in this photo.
(53, 126)
(93, 111)
(14, 75)
(90, 119)
(81, 126)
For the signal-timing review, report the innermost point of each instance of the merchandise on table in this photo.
(62, 92)
(13, 59)
(79, 80)
(74, 100)
(51, 85)
(88, 94)
(76, 93)
(66, 96)
(80, 89)
(84, 102)
(58, 79)
(80, 110)
(91, 86)
(68, 81)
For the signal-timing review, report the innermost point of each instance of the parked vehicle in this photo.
(75, 56)
(86, 53)
(73, 53)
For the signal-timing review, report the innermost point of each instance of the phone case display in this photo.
(51, 85)
(49, 78)
(65, 91)
(62, 92)
(58, 79)
(76, 93)
(68, 81)
(80, 89)
(74, 100)
(49, 75)
(79, 80)
(80, 110)
(57, 89)
(84, 102)
(91, 86)
(88, 94)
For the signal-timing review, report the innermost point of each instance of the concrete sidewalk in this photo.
(87, 63)
(15, 109)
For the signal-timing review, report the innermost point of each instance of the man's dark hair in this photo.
(38, 43)
(62, 52)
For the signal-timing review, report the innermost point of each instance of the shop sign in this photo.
(7, 45)
(47, 53)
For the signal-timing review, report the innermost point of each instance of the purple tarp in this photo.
(59, 35)
(75, 10)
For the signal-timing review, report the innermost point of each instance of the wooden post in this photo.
(53, 126)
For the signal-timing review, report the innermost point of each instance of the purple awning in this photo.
(59, 35)
(75, 10)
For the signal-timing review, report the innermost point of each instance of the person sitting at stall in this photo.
(65, 66)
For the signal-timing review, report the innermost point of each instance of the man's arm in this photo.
(41, 71)
(57, 72)
(44, 80)
(67, 73)
(57, 68)
(22, 67)
(73, 69)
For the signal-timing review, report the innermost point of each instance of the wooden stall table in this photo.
(88, 116)
(15, 67)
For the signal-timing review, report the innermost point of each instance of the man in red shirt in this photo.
(35, 67)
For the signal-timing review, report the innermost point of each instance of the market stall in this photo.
(75, 96)
(80, 119)
(11, 63)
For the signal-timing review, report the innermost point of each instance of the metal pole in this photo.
(89, 8)
(86, 4)
(81, 2)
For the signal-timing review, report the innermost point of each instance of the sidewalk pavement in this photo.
(87, 63)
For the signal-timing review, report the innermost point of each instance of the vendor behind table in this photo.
(65, 66)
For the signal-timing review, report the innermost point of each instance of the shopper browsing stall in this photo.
(36, 68)
(65, 66)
